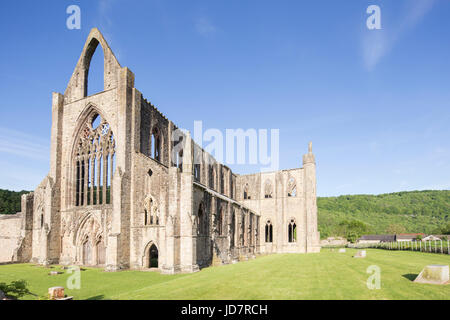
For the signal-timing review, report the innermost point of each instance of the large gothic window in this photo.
(94, 163)
(269, 231)
(292, 231)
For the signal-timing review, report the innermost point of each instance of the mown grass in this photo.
(327, 275)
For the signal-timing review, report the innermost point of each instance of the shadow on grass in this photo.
(99, 297)
(410, 276)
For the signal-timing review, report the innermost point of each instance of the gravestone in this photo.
(360, 254)
(2, 295)
(434, 274)
(55, 293)
(342, 250)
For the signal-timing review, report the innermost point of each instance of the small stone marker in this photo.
(434, 274)
(342, 250)
(55, 293)
(54, 273)
(2, 295)
(360, 254)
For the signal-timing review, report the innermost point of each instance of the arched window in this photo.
(268, 189)
(269, 231)
(156, 144)
(212, 176)
(87, 248)
(292, 231)
(197, 171)
(95, 62)
(180, 160)
(101, 252)
(220, 222)
(292, 188)
(231, 187)
(151, 211)
(201, 221)
(94, 162)
(246, 194)
(243, 230)
(177, 153)
(222, 183)
(233, 228)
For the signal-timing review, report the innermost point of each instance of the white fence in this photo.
(432, 246)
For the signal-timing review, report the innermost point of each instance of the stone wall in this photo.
(10, 227)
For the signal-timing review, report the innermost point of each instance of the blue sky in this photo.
(375, 103)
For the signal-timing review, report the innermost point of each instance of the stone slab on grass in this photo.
(360, 254)
(434, 274)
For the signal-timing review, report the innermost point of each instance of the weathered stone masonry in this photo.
(121, 194)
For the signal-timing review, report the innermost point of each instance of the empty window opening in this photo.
(156, 145)
(197, 171)
(268, 190)
(269, 231)
(220, 222)
(292, 231)
(94, 163)
(246, 194)
(292, 188)
(95, 70)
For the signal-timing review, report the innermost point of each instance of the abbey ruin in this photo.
(121, 194)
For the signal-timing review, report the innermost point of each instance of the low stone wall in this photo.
(10, 232)
(333, 242)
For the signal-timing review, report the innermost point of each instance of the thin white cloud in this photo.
(378, 43)
(204, 27)
(23, 144)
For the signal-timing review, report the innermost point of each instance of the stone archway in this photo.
(101, 252)
(87, 252)
(89, 242)
(151, 256)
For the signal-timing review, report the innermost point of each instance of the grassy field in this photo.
(328, 275)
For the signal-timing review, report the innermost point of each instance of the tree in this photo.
(395, 229)
(16, 289)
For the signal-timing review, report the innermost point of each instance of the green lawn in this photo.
(327, 275)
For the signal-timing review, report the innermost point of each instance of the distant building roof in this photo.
(404, 236)
(435, 237)
(379, 237)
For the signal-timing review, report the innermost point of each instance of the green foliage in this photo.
(445, 229)
(16, 289)
(395, 229)
(419, 237)
(415, 211)
(353, 229)
(10, 201)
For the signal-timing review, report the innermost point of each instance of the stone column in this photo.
(188, 239)
(118, 250)
(311, 234)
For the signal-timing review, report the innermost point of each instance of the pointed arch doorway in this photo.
(153, 257)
